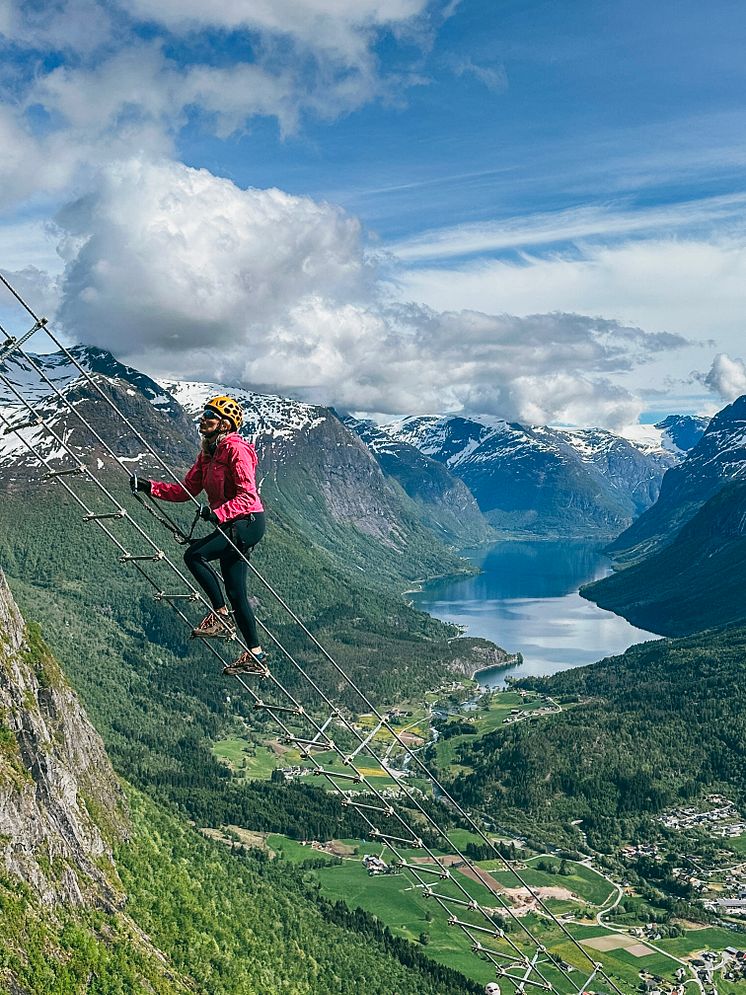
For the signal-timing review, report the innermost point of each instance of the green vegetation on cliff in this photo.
(159, 700)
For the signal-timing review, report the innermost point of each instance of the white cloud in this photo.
(115, 90)
(691, 286)
(727, 377)
(332, 26)
(595, 221)
(210, 261)
(184, 273)
(76, 25)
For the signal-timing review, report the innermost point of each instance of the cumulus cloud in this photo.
(115, 86)
(184, 273)
(727, 377)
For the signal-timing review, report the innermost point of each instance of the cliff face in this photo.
(60, 804)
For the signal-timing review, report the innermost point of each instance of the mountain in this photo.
(682, 432)
(682, 563)
(447, 505)
(54, 776)
(102, 892)
(152, 412)
(539, 480)
(695, 582)
(718, 457)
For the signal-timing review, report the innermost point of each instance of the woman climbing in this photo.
(226, 470)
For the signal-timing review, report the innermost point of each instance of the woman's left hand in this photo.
(208, 515)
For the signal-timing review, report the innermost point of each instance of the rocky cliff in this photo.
(61, 807)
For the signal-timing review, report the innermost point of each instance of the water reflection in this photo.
(526, 600)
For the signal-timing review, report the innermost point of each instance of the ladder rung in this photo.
(478, 947)
(311, 744)
(321, 772)
(455, 921)
(12, 343)
(388, 811)
(362, 745)
(416, 843)
(162, 596)
(127, 558)
(24, 424)
(443, 872)
(519, 982)
(427, 892)
(63, 473)
(283, 709)
(109, 514)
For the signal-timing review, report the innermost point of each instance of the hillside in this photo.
(447, 505)
(696, 582)
(98, 895)
(718, 457)
(652, 728)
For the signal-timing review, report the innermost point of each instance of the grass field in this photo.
(738, 843)
(588, 884)
(486, 720)
(244, 758)
(398, 903)
(696, 940)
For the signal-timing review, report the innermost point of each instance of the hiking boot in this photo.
(216, 625)
(248, 663)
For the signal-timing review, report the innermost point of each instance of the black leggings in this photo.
(245, 533)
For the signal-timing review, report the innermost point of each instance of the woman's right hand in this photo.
(139, 484)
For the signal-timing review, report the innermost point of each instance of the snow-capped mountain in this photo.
(49, 382)
(316, 474)
(676, 434)
(717, 458)
(543, 480)
(446, 501)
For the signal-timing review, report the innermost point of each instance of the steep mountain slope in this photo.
(718, 457)
(696, 582)
(447, 505)
(319, 474)
(540, 480)
(224, 923)
(61, 813)
(154, 696)
(54, 774)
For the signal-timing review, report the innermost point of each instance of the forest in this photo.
(643, 731)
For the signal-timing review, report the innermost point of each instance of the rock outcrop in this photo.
(61, 807)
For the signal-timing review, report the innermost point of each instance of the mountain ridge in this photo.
(539, 480)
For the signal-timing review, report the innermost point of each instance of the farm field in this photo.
(396, 901)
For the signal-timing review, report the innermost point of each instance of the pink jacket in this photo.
(227, 477)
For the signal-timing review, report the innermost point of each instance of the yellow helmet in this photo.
(227, 408)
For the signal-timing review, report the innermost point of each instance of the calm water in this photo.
(526, 600)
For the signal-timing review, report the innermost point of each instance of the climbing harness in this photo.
(518, 957)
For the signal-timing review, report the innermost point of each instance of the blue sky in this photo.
(531, 210)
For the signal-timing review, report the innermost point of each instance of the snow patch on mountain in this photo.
(264, 414)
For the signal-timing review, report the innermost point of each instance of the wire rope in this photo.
(320, 739)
